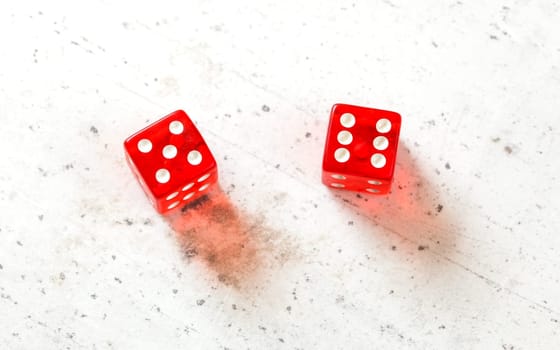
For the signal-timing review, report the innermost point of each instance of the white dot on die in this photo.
(338, 177)
(163, 176)
(372, 190)
(188, 186)
(204, 177)
(172, 195)
(381, 143)
(173, 205)
(169, 151)
(344, 137)
(203, 187)
(194, 157)
(374, 182)
(337, 185)
(383, 125)
(188, 196)
(347, 120)
(342, 155)
(378, 160)
(176, 127)
(144, 145)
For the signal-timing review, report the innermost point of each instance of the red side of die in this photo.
(361, 149)
(171, 161)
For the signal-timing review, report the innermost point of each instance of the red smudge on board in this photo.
(413, 208)
(213, 231)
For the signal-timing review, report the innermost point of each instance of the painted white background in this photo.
(464, 254)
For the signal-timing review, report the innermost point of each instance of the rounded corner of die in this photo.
(213, 167)
(396, 116)
(176, 114)
(126, 144)
(180, 113)
(336, 107)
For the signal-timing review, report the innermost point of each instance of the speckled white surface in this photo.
(463, 254)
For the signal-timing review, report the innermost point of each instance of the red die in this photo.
(361, 149)
(171, 161)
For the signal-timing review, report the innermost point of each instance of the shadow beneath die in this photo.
(237, 247)
(413, 210)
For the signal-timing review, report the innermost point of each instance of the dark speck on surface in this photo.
(394, 247)
(508, 149)
(280, 340)
(308, 134)
(350, 223)
(118, 280)
(1, 267)
(447, 166)
(94, 130)
(277, 166)
(422, 247)
(175, 291)
(265, 108)
(496, 139)
(128, 221)
(439, 208)
(200, 302)
(40, 217)
(19, 243)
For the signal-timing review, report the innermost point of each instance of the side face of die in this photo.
(356, 183)
(361, 149)
(171, 161)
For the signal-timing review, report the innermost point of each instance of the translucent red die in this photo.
(171, 161)
(361, 149)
